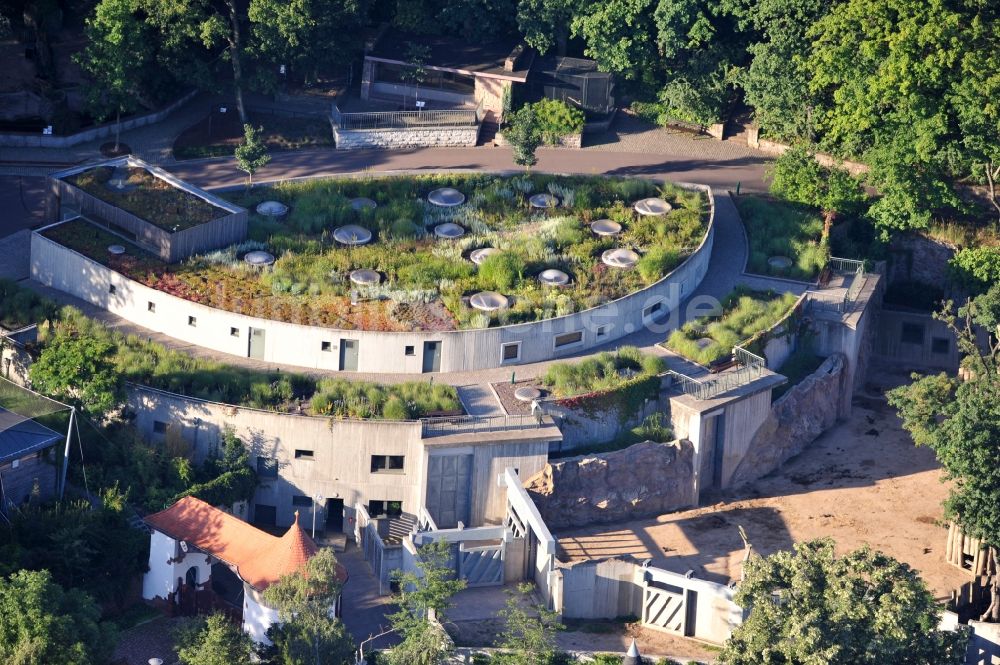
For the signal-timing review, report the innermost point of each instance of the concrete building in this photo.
(192, 547)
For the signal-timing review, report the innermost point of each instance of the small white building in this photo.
(191, 538)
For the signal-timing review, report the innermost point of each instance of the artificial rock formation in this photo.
(796, 419)
(641, 480)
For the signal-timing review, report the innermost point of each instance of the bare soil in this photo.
(862, 482)
(512, 405)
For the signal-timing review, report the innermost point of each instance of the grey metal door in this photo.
(256, 342)
(349, 355)
(449, 483)
(432, 356)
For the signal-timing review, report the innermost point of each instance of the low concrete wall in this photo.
(313, 347)
(777, 148)
(16, 252)
(641, 480)
(101, 131)
(796, 419)
(417, 137)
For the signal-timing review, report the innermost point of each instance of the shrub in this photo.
(501, 271)
(20, 306)
(605, 371)
(401, 401)
(976, 268)
(557, 119)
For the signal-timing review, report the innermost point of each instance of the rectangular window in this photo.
(510, 351)
(151, 306)
(234, 332)
(385, 508)
(326, 346)
(267, 467)
(302, 501)
(193, 321)
(569, 339)
(387, 463)
(111, 289)
(912, 333)
(303, 454)
(159, 427)
(940, 345)
(409, 350)
(601, 331)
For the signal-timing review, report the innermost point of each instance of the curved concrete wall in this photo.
(313, 347)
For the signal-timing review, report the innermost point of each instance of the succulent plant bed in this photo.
(149, 198)
(744, 314)
(426, 282)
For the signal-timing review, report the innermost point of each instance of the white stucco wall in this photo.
(301, 345)
(257, 617)
(168, 563)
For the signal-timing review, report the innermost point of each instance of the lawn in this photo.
(426, 282)
(744, 314)
(780, 228)
(220, 135)
(152, 199)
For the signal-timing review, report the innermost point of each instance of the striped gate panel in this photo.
(481, 566)
(664, 610)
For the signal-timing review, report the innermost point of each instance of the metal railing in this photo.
(846, 304)
(473, 424)
(372, 120)
(750, 367)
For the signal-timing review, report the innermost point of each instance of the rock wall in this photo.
(587, 425)
(454, 137)
(641, 480)
(919, 259)
(796, 419)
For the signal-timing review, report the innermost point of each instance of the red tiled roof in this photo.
(259, 558)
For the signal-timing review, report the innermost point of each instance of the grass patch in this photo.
(744, 314)
(605, 371)
(655, 427)
(20, 307)
(220, 136)
(154, 200)
(426, 282)
(780, 228)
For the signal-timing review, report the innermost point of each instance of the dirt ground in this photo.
(862, 482)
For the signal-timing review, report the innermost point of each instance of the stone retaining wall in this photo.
(796, 419)
(420, 137)
(641, 480)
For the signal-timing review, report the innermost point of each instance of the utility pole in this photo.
(65, 466)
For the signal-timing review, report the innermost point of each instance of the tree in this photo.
(798, 177)
(214, 640)
(192, 29)
(529, 636)
(524, 134)
(305, 600)
(251, 154)
(415, 71)
(424, 593)
(80, 369)
(117, 56)
(615, 38)
(545, 24)
(960, 422)
(40, 623)
(811, 607)
(306, 36)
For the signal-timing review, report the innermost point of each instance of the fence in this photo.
(371, 120)
(844, 267)
(750, 368)
(473, 424)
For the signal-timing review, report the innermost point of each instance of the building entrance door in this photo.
(335, 515)
(432, 356)
(256, 342)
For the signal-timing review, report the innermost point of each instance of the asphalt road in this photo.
(725, 173)
(22, 203)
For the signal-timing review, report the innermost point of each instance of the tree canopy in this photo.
(41, 624)
(812, 607)
(214, 640)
